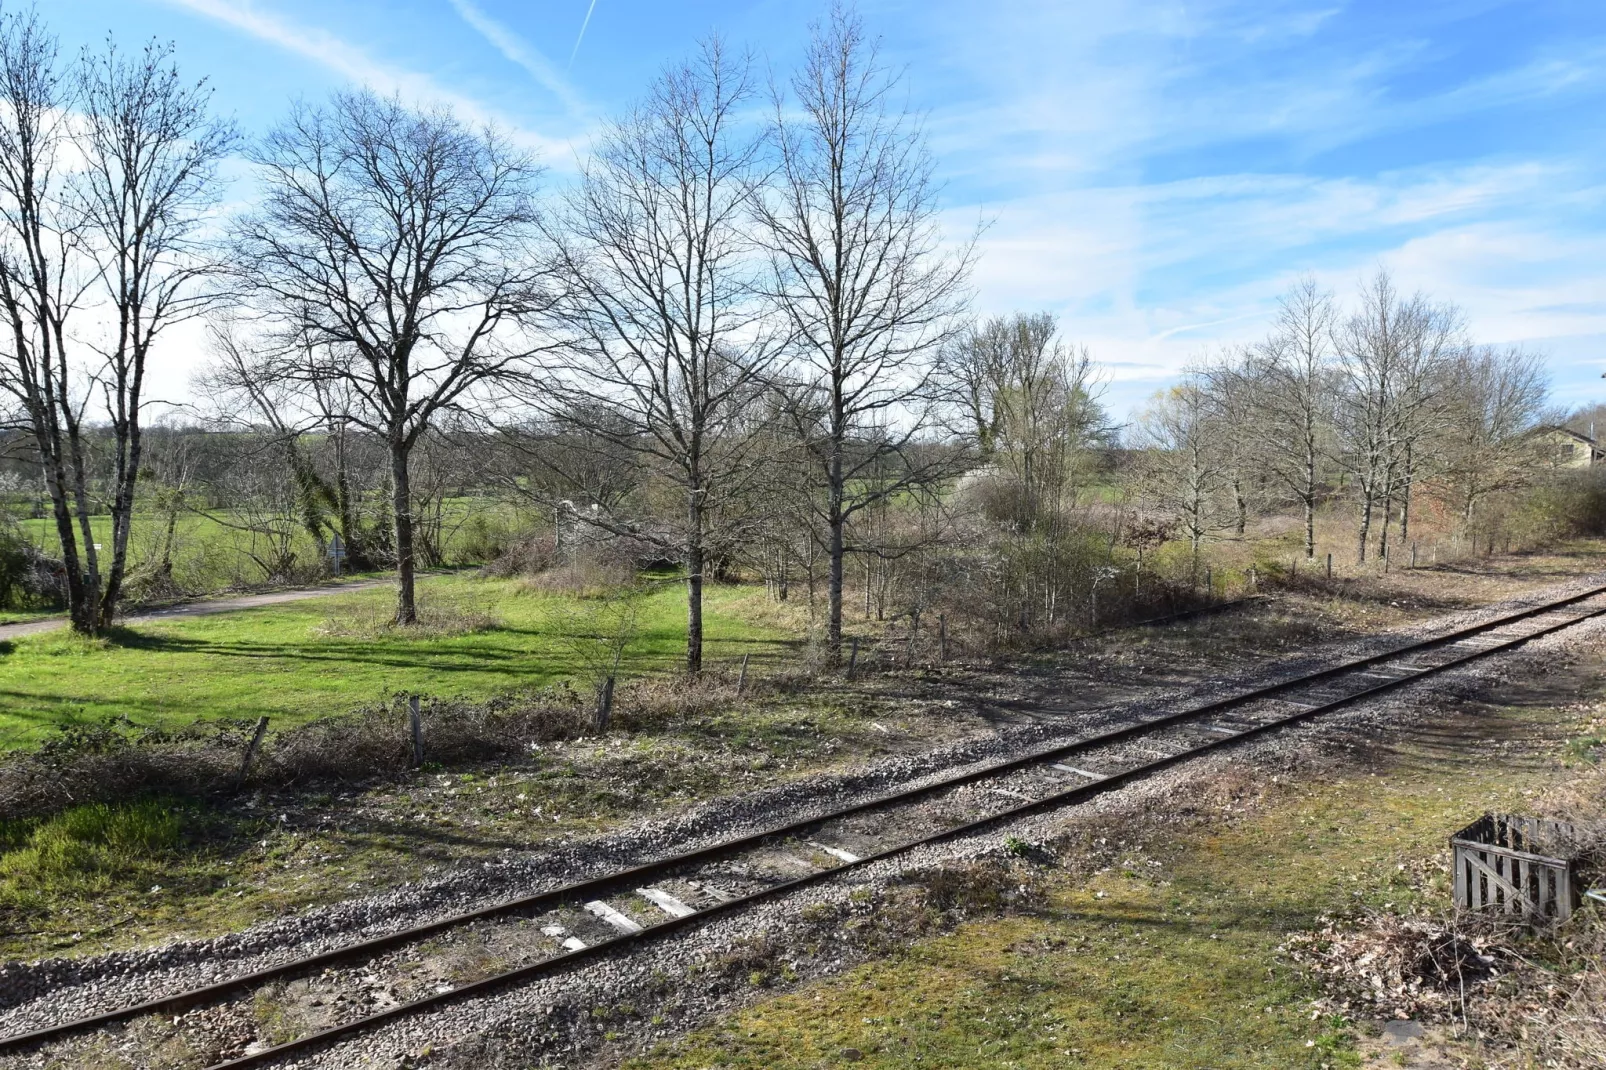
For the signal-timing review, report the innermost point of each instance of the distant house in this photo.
(1571, 449)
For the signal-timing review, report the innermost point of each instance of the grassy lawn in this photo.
(214, 551)
(320, 656)
(1167, 957)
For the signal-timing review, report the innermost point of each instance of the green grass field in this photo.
(213, 552)
(321, 656)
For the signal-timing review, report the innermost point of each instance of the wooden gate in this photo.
(1517, 865)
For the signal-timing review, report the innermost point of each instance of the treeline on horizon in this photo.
(737, 345)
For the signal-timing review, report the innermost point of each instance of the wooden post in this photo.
(251, 751)
(1254, 578)
(853, 655)
(1413, 553)
(741, 679)
(1293, 569)
(942, 636)
(1329, 566)
(604, 706)
(416, 721)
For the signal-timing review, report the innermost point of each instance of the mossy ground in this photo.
(1165, 954)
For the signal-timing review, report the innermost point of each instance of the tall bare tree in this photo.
(1281, 396)
(1393, 353)
(1183, 469)
(1495, 400)
(860, 273)
(107, 171)
(396, 245)
(661, 310)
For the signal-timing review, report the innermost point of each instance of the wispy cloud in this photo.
(519, 51)
(353, 63)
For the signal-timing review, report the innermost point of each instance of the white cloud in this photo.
(1150, 276)
(519, 51)
(352, 63)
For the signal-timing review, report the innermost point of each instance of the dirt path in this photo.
(201, 609)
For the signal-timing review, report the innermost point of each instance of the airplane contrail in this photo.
(582, 36)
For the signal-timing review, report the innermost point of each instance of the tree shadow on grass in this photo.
(406, 654)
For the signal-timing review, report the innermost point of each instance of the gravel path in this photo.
(544, 1020)
(201, 609)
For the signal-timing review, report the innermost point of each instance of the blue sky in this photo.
(1154, 173)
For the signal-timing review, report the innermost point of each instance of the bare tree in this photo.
(1183, 471)
(396, 246)
(1033, 405)
(1393, 353)
(1225, 385)
(151, 151)
(1279, 397)
(661, 312)
(107, 170)
(850, 221)
(1495, 399)
(42, 284)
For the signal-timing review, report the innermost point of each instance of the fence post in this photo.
(251, 751)
(741, 680)
(1293, 569)
(416, 721)
(1329, 566)
(1413, 553)
(1254, 578)
(853, 655)
(942, 636)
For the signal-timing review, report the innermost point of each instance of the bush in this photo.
(484, 539)
(592, 569)
(1574, 503)
(529, 555)
(28, 579)
(103, 761)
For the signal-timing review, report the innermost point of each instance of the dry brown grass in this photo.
(440, 617)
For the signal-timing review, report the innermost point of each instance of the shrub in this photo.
(28, 579)
(103, 761)
(528, 555)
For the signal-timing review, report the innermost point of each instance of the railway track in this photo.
(563, 929)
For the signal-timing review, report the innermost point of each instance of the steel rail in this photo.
(323, 1038)
(594, 886)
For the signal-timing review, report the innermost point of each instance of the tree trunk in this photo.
(1366, 524)
(1241, 504)
(1310, 505)
(402, 507)
(168, 538)
(836, 521)
(90, 614)
(694, 582)
(1405, 497)
(78, 607)
(129, 450)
